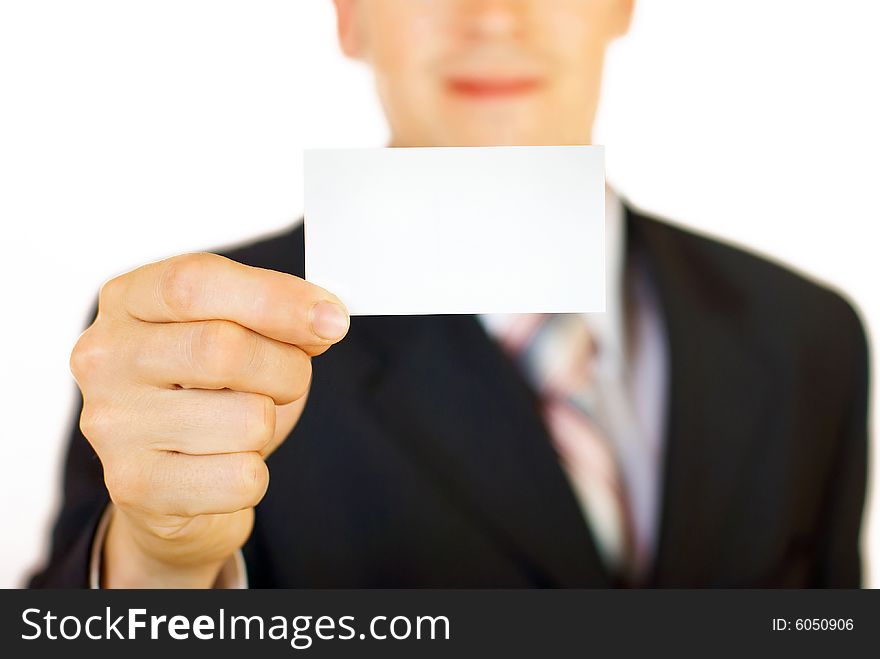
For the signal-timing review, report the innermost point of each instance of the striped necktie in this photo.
(556, 354)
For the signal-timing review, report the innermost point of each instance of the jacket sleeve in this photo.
(839, 564)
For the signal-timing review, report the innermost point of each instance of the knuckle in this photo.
(221, 349)
(110, 292)
(300, 377)
(89, 356)
(251, 479)
(180, 283)
(259, 421)
(97, 423)
(263, 306)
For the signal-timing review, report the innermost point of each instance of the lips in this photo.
(492, 87)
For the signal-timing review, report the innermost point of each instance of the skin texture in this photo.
(196, 368)
(421, 52)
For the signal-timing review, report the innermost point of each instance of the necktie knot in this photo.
(555, 352)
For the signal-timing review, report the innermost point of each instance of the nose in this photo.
(492, 18)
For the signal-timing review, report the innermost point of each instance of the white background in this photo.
(135, 129)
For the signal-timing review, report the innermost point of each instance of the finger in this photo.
(165, 483)
(198, 422)
(197, 287)
(219, 354)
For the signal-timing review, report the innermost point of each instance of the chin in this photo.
(503, 138)
(486, 129)
(494, 133)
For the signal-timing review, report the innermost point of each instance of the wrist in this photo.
(126, 564)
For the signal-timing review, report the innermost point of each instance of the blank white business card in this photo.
(461, 230)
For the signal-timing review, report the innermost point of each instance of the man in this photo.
(709, 430)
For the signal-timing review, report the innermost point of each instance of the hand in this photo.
(195, 369)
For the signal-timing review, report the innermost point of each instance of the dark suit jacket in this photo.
(421, 459)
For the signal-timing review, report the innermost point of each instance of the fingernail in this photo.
(329, 321)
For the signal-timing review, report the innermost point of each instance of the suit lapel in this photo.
(454, 403)
(716, 399)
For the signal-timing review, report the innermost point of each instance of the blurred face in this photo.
(484, 72)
